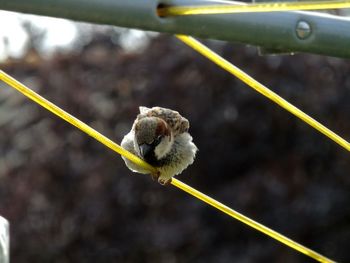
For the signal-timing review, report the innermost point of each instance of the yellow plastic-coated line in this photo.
(205, 51)
(253, 224)
(115, 147)
(245, 8)
(72, 120)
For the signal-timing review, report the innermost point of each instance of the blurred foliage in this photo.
(69, 199)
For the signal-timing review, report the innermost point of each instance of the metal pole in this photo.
(281, 31)
(4, 240)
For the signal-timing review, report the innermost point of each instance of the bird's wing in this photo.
(177, 123)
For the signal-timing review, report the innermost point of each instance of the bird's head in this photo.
(154, 138)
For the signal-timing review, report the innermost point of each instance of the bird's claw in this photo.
(156, 177)
(164, 182)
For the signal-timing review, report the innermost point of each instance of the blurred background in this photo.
(70, 199)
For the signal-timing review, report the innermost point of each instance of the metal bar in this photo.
(4, 241)
(285, 31)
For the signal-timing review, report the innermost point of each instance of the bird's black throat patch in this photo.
(150, 156)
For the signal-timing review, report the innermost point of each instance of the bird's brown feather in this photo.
(176, 122)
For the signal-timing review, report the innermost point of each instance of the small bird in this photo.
(160, 137)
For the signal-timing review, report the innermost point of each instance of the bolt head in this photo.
(303, 30)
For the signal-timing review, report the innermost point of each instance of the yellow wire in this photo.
(245, 8)
(202, 49)
(246, 220)
(72, 120)
(115, 147)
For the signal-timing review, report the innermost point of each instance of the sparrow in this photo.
(160, 137)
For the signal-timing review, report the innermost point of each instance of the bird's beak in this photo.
(145, 149)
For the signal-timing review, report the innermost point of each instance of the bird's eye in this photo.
(157, 140)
